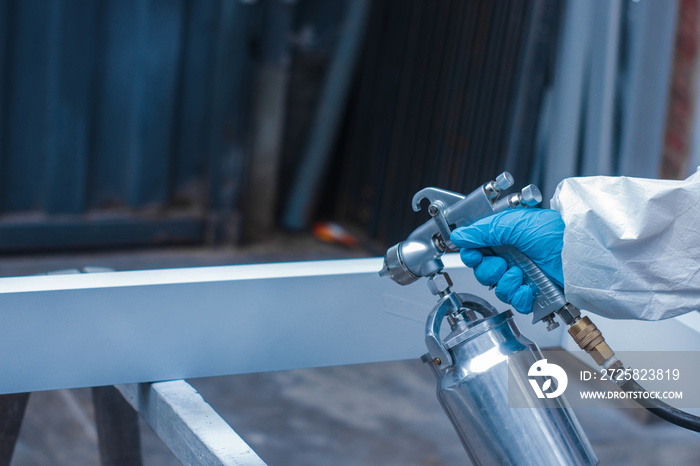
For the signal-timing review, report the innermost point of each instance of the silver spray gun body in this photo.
(420, 254)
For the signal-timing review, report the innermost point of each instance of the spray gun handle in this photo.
(548, 296)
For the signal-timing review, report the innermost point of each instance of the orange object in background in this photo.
(331, 232)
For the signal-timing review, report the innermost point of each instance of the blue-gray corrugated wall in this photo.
(121, 122)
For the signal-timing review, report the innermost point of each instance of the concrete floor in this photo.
(372, 414)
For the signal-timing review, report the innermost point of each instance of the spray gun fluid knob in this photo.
(504, 181)
(501, 183)
(530, 195)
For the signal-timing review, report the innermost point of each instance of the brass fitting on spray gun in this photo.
(588, 338)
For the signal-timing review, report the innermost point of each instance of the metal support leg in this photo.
(117, 428)
(188, 425)
(12, 409)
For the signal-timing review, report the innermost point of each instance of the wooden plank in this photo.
(188, 425)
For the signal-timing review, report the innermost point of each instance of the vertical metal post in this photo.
(649, 55)
(229, 121)
(260, 207)
(599, 132)
(117, 428)
(567, 96)
(12, 409)
(538, 53)
(328, 114)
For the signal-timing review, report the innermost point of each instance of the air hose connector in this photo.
(588, 338)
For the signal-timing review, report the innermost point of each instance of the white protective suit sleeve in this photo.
(631, 245)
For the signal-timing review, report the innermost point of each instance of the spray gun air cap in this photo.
(395, 268)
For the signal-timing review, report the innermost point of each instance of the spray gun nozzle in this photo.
(395, 268)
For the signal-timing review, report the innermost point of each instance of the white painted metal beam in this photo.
(82, 330)
(188, 425)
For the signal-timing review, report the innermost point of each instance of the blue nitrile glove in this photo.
(538, 233)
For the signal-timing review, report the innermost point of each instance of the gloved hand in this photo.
(537, 233)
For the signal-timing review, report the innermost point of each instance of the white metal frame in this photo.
(84, 330)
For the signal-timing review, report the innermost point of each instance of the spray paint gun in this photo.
(484, 349)
(419, 255)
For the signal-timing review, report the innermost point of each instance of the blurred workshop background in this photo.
(146, 122)
(244, 129)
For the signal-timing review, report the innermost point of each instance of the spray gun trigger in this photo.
(437, 212)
